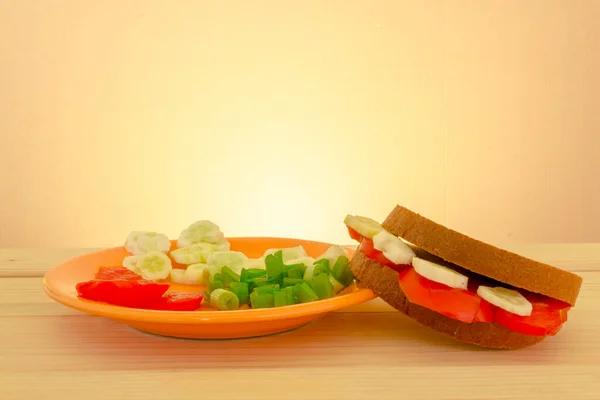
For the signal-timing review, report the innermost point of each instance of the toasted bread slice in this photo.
(383, 281)
(482, 258)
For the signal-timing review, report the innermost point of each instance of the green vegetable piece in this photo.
(241, 291)
(291, 282)
(280, 299)
(321, 267)
(218, 277)
(229, 275)
(321, 286)
(289, 292)
(267, 288)
(252, 273)
(324, 262)
(275, 266)
(261, 300)
(337, 286)
(304, 294)
(214, 284)
(259, 281)
(308, 274)
(296, 271)
(224, 300)
(342, 272)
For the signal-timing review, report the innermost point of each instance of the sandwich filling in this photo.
(455, 292)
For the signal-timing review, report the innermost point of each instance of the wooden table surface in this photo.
(49, 351)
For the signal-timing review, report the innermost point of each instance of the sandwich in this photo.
(458, 286)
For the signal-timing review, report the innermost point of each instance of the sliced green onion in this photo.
(319, 270)
(289, 292)
(323, 266)
(308, 273)
(304, 294)
(291, 282)
(341, 271)
(229, 274)
(241, 291)
(261, 300)
(280, 299)
(259, 281)
(218, 277)
(296, 271)
(274, 263)
(252, 273)
(267, 288)
(323, 262)
(321, 286)
(224, 299)
(214, 284)
(256, 282)
(337, 286)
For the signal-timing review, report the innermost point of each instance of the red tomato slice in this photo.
(455, 303)
(126, 293)
(121, 273)
(366, 246)
(486, 312)
(354, 235)
(547, 317)
(415, 287)
(178, 301)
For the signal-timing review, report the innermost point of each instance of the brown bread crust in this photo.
(383, 281)
(482, 258)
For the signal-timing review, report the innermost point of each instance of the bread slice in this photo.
(383, 281)
(482, 258)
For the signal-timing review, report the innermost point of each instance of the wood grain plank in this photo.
(80, 342)
(511, 381)
(297, 369)
(35, 262)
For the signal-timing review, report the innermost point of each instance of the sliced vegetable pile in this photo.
(279, 284)
(464, 296)
(225, 279)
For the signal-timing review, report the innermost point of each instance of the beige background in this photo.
(279, 117)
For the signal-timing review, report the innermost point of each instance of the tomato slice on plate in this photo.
(367, 247)
(458, 304)
(178, 301)
(547, 317)
(121, 273)
(127, 293)
(354, 235)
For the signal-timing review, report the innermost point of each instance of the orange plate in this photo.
(207, 323)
